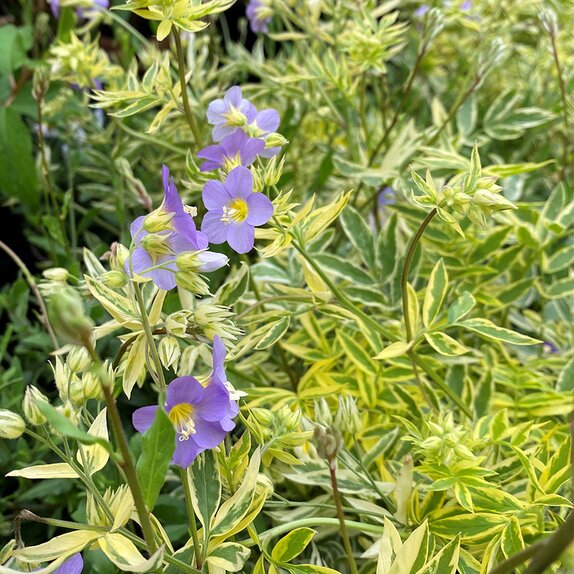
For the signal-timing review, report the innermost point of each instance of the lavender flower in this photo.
(199, 414)
(218, 377)
(550, 347)
(386, 197)
(163, 235)
(81, 11)
(265, 123)
(422, 10)
(258, 20)
(234, 210)
(73, 565)
(234, 150)
(230, 114)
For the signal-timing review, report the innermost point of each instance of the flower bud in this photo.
(323, 414)
(68, 319)
(169, 351)
(11, 425)
(78, 359)
(157, 244)
(275, 139)
(258, 183)
(62, 376)
(32, 397)
(40, 82)
(288, 418)
(273, 171)
(76, 391)
(158, 220)
(176, 323)
(328, 442)
(192, 282)
(118, 256)
(348, 418)
(114, 279)
(67, 409)
(56, 274)
(263, 416)
(201, 261)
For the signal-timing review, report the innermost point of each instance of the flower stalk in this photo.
(197, 550)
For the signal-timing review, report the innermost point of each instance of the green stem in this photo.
(149, 139)
(341, 517)
(32, 284)
(184, 473)
(406, 269)
(186, 106)
(149, 336)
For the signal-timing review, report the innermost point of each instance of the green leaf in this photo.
(14, 45)
(309, 569)
(511, 540)
(17, 166)
(387, 249)
(291, 545)
(273, 332)
(412, 554)
(158, 444)
(446, 561)
(566, 377)
(343, 268)
(206, 487)
(477, 528)
(445, 345)
(559, 289)
(461, 307)
(562, 259)
(233, 289)
(356, 354)
(359, 234)
(435, 293)
(63, 424)
(229, 556)
(489, 330)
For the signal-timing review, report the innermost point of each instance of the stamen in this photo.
(181, 417)
(236, 211)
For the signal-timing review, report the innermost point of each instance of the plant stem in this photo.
(341, 517)
(184, 473)
(32, 284)
(183, 83)
(406, 269)
(149, 336)
(150, 139)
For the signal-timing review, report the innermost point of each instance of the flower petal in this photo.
(221, 130)
(213, 227)
(186, 452)
(233, 96)
(136, 227)
(215, 111)
(260, 209)
(241, 236)
(208, 434)
(143, 418)
(215, 195)
(218, 357)
(183, 390)
(214, 153)
(239, 182)
(140, 261)
(250, 150)
(73, 565)
(214, 403)
(268, 120)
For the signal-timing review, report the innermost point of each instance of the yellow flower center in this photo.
(230, 162)
(234, 117)
(235, 211)
(181, 417)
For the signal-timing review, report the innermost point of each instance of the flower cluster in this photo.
(166, 246)
(201, 415)
(258, 13)
(243, 133)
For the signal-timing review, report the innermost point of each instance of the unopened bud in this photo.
(68, 319)
(76, 391)
(169, 351)
(93, 380)
(56, 274)
(40, 82)
(263, 416)
(114, 279)
(348, 418)
(78, 359)
(258, 183)
(323, 414)
(62, 376)
(201, 261)
(11, 425)
(273, 171)
(288, 418)
(67, 409)
(176, 323)
(275, 139)
(328, 442)
(158, 220)
(192, 282)
(157, 244)
(118, 256)
(32, 397)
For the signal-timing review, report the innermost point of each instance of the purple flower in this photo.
(218, 377)
(170, 232)
(466, 6)
(73, 565)
(386, 197)
(235, 149)
(199, 415)
(551, 348)
(265, 122)
(422, 10)
(230, 114)
(234, 211)
(257, 22)
(81, 11)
